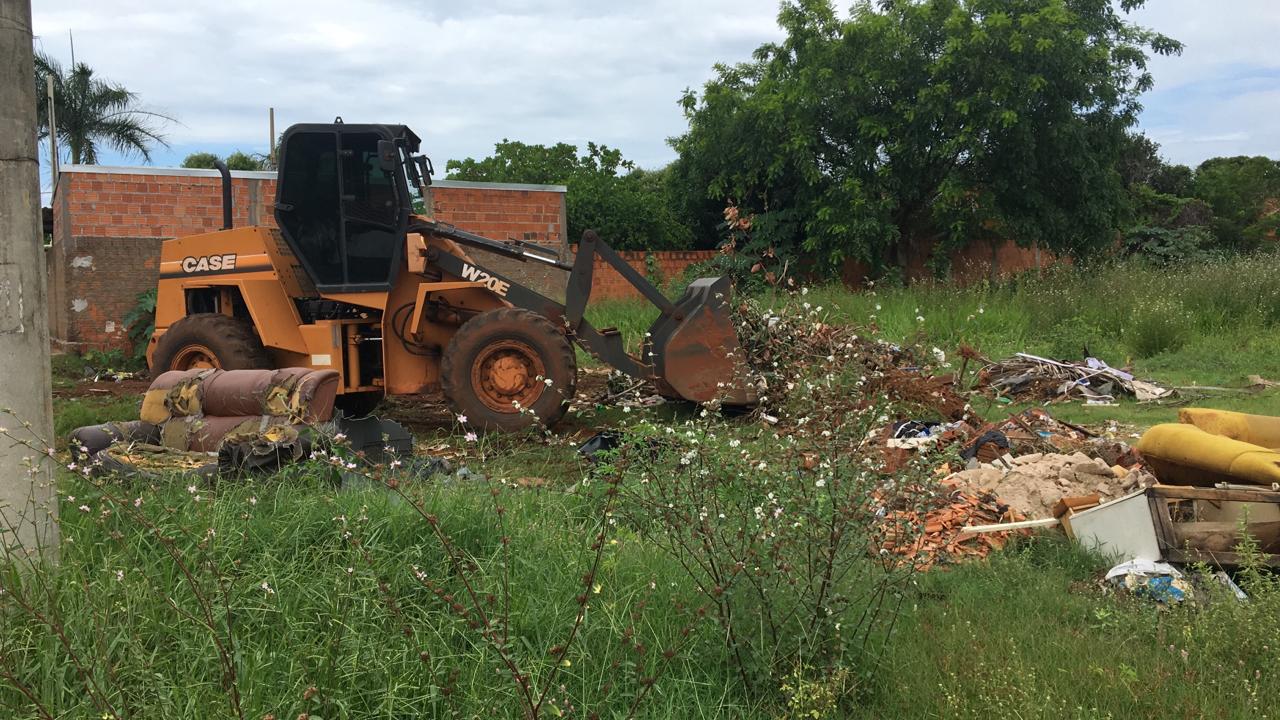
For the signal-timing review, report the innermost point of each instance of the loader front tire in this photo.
(508, 369)
(209, 340)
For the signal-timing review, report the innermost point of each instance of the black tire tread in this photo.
(234, 341)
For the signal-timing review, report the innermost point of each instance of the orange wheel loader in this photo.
(355, 281)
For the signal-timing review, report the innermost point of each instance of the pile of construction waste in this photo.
(1030, 377)
(936, 533)
(1187, 492)
(1000, 474)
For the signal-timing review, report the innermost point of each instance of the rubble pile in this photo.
(1032, 484)
(936, 536)
(1030, 377)
(783, 348)
(1013, 470)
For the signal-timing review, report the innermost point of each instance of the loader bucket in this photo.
(696, 349)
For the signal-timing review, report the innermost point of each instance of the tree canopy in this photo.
(237, 160)
(630, 208)
(1244, 193)
(1225, 205)
(925, 120)
(92, 113)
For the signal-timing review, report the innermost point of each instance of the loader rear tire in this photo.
(209, 340)
(508, 369)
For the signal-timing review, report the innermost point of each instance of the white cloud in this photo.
(464, 75)
(467, 74)
(1219, 97)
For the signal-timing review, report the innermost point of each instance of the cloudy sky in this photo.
(467, 74)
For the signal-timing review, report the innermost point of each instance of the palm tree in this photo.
(93, 113)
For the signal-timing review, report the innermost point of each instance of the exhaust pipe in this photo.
(226, 193)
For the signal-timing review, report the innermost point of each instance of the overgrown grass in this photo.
(1225, 315)
(1030, 634)
(1208, 324)
(323, 594)
(330, 620)
(77, 412)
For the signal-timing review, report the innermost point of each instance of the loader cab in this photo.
(343, 199)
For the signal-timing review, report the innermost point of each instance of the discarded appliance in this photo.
(1181, 524)
(1122, 528)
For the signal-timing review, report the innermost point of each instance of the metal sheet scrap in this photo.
(1026, 376)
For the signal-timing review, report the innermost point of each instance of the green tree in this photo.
(925, 121)
(237, 160)
(1244, 193)
(203, 160)
(1172, 179)
(92, 113)
(627, 206)
(1166, 225)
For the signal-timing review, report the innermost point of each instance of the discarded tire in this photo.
(209, 340)
(507, 369)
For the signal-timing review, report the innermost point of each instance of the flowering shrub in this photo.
(778, 535)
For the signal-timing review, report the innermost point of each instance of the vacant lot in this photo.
(709, 566)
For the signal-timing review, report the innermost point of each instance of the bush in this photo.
(1157, 326)
(1167, 246)
(140, 323)
(780, 536)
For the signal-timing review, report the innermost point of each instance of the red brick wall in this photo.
(158, 206)
(670, 265)
(108, 227)
(154, 205)
(530, 215)
(981, 260)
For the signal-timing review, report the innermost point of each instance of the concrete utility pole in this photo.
(271, 137)
(27, 500)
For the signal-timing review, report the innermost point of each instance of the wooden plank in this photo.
(1188, 492)
(1222, 536)
(1163, 524)
(1076, 503)
(1214, 558)
(1001, 527)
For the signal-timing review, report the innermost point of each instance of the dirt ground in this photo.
(102, 389)
(429, 412)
